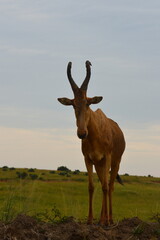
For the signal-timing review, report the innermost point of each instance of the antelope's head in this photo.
(80, 102)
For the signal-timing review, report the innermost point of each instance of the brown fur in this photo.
(103, 148)
(102, 144)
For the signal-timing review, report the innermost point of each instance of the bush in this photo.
(65, 174)
(62, 173)
(12, 168)
(51, 215)
(21, 175)
(33, 176)
(4, 168)
(41, 178)
(31, 170)
(76, 172)
(68, 175)
(52, 172)
(63, 168)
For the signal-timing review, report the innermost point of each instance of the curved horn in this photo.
(88, 75)
(73, 84)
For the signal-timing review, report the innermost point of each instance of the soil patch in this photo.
(27, 228)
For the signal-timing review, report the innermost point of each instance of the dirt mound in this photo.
(27, 228)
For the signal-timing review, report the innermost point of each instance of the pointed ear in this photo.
(65, 101)
(94, 100)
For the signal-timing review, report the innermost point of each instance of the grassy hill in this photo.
(43, 192)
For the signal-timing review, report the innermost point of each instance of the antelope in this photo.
(102, 141)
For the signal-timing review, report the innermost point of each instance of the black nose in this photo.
(81, 133)
(82, 136)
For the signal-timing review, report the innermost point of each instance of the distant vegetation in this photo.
(42, 175)
(31, 170)
(63, 168)
(5, 168)
(21, 175)
(76, 172)
(32, 192)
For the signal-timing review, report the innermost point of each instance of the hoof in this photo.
(111, 222)
(89, 222)
(104, 224)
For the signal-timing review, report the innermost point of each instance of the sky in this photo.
(37, 40)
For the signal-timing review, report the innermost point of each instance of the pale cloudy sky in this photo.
(38, 38)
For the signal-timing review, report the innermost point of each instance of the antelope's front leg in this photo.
(104, 220)
(89, 166)
(102, 170)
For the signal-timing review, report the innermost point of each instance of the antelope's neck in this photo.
(92, 146)
(93, 128)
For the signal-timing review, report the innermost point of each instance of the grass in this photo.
(138, 197)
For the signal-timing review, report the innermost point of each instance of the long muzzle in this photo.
(82, 133)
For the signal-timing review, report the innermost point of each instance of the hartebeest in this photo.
(102, 143)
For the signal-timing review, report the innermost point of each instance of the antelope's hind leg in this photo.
(113, 175)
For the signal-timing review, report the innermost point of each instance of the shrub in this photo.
(76, 172)
(51, 215)
(65, 174)
(31, 170)
(62, 173)
(12, 168)
(63, 168)
(21, 175)
(156, 217)
(5, 168)
(68, 175)
(52, 172)
(33, 176)
(41, 178)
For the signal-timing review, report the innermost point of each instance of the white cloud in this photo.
(50, 148)
(22, 51)
(40, 148)
(34, 118)
(121, 38)
(142, 151)
(23, 10)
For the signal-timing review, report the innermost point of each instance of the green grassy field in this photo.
(140, 196)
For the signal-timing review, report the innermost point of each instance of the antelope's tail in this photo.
(119, 179)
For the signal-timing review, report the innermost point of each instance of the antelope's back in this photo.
(117, 138)
(112, 132)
